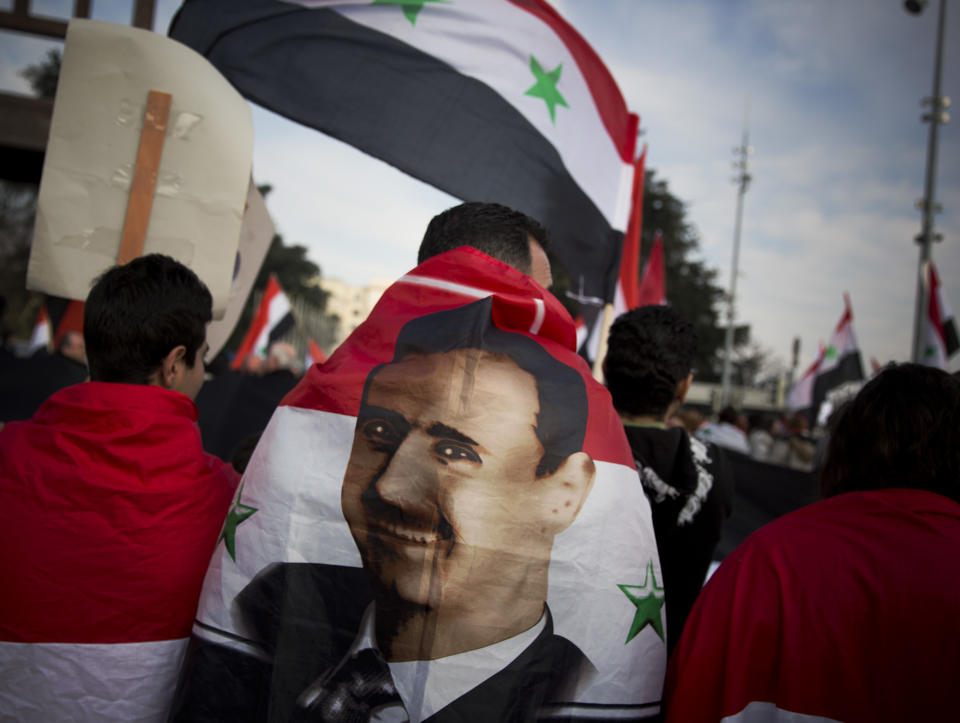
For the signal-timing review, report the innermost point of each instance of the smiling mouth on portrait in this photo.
(395, 527)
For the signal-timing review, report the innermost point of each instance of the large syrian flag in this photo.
(284, 603)
(273, 319)
(488, 100)
(940, 341)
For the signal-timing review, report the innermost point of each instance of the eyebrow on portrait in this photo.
(442, 430)
(369, 412)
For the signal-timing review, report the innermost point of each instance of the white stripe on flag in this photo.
(493, 43)
(763, 712)
(41, 682)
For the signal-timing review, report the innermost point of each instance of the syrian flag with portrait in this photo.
(488, 100)
(449, 502)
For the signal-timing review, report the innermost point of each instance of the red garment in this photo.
(846, 609)
(109, 511)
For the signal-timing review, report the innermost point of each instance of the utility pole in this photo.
(928, 204)
(741, 164)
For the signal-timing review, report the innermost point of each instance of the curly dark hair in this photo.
(901, 430)
(650, 350)
(496, 230)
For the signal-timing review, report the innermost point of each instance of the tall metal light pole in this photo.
(928, 204)
(742, 179)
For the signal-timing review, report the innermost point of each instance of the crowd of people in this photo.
(473, 444)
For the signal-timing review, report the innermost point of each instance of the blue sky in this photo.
(834, 93)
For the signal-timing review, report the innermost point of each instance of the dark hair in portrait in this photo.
(496, 230)
(562, 394)
(901, 430)
(650, 350)
(136, 313)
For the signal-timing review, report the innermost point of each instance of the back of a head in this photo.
(136, 313)
(901, 430)
(496, 230)
(650, 350)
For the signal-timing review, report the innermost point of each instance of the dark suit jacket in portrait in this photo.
(306, 617)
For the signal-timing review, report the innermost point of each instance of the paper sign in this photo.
(106, 76)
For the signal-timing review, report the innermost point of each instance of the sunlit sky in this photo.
(833, 90)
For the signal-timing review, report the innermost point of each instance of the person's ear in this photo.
(172, 367)
(566, 489)
(683, 388)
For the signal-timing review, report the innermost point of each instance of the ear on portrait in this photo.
(566, 489)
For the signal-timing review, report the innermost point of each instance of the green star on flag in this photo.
(237, 514)
(648, 604)
(411, 8)
(831, 352)
(546, 87)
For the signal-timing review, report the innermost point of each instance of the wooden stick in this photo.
(144, 176)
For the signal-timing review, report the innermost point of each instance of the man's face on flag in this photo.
(441, 492)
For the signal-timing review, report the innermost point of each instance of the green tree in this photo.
(691, 284)
(43, 76)
(18, 207)
(297, 276)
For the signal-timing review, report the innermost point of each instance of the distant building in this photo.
(350, 304)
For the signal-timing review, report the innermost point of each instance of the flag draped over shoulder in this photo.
(500, 101)
(381, 456)
(940, 328)
(109, 509)
(273, 319)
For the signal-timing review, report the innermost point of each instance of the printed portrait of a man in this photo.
(466, 462)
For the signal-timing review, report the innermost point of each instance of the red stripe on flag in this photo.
(620, 123)
(933, 303)
(630, 259)
(653, 288)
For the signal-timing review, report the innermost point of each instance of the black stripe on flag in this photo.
(285, 324)
(950, 338)
(408, 108)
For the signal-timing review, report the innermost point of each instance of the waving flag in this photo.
(488, 100)
(41, 337)
(452, 479)
(653, 287)
(837, 363)
(940, 327)
(273, 319)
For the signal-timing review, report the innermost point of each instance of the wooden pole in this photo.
(140, 201)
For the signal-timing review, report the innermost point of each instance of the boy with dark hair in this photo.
(689, 485)
(110, 509)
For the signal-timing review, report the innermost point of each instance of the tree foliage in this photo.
(43, 76)
(691, 284)
(296, 275)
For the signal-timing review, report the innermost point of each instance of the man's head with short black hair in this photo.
(137, 313)
(650, 351)
(496, 230)
(901, 430)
